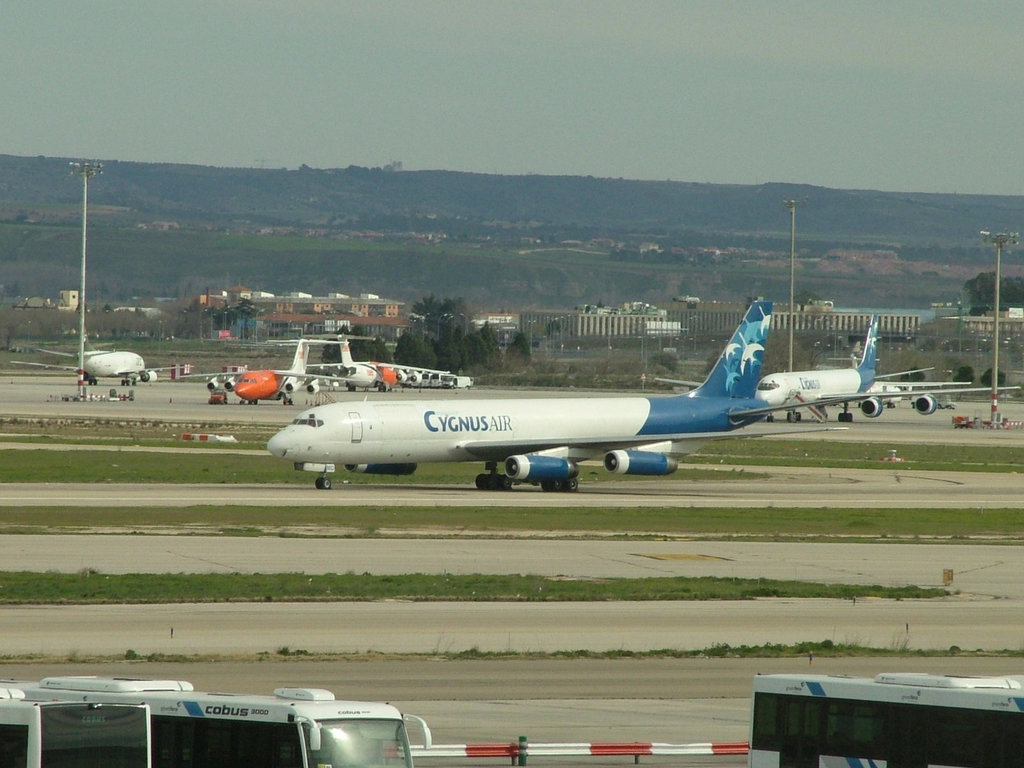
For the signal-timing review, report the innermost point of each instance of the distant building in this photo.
(68, 301)
(688, 316)
(364, 305)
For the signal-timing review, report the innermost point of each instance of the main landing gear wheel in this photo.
(492, 481)
(567, 486)
(323, 483)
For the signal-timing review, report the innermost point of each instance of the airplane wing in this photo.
(856, 397)
(49, 366)
(499, 450)
(925, 386)
(53, 366)
(181, 370)
(902, 373)
(679, 382)
(320, 368)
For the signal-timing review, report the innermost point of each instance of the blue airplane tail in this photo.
(739, 368)
(869, 358)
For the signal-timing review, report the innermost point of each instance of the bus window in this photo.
(855, 729)
(81, 736)
(13, 745)
(181, 743)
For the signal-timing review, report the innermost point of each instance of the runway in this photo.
(786, 487)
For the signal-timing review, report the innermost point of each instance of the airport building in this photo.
(699, 319)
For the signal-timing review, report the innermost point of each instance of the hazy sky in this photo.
(912, 95)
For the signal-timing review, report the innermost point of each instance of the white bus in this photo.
(898, 720)
(294, 728)
(65, 734)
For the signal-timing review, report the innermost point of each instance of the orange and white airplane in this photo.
(381, 376)
(270, 384)
(368, 375)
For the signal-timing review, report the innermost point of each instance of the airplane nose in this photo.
(278, 445)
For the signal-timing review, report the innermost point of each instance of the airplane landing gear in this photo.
(566, 486)
(323, 483)
(491, 480)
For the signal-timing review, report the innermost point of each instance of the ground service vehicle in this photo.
(294, 728)
(899, 720)
(66, 734)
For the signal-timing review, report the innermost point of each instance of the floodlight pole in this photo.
(791, 205)
(86, 171)
(1000, 239)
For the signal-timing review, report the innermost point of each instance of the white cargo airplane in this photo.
(127, 366)
(817, 389)
(538, 440)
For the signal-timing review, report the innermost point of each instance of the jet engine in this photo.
(412, 377)
(213, 384)
(382, 469)
(540, 468)
(313, 387)
(925, 404)
(229, 385)
(872, 407)
(639, 463)
(147, 376)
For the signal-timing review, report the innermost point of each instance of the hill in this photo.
(173, 230)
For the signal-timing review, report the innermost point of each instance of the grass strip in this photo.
(768, 523)
(90, 587)
(221, 464)
(820, 649)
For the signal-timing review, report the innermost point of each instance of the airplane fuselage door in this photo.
(357, 426)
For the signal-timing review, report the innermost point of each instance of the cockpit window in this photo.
(770, 384)
(310, 420)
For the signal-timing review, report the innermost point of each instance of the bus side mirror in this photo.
(427, 738)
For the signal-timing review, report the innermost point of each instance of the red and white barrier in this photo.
(204, 437)
(514, 751)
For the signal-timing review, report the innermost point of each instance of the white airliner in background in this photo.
(814, 390)
(129, 367)
(539, 440)
(384, 376)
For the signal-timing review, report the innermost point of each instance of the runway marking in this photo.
(680, 556)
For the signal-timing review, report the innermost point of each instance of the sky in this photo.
(899, 95)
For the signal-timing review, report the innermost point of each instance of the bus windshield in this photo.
(363, 743)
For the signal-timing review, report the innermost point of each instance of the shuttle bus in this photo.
(66, 734)
(899, 720)
(294, 728)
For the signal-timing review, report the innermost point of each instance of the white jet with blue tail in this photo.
(536, 440)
